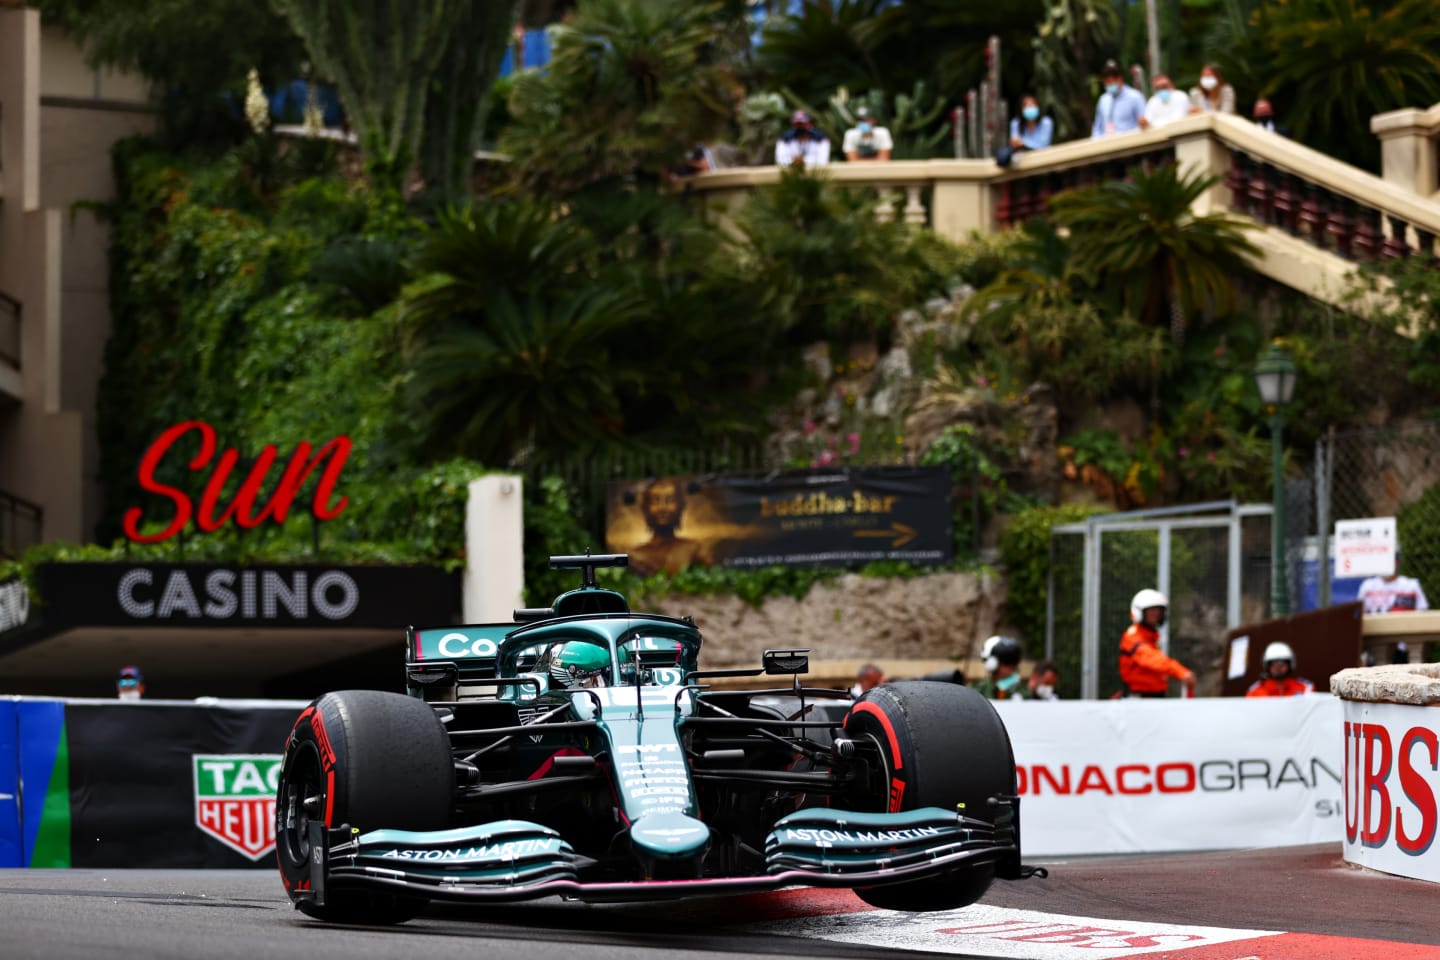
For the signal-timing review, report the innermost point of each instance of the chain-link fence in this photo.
(1388, 472)
(1212, 560)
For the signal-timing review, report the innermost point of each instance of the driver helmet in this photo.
(998, 650)
(1143, 601)
(576, 665)
(1278, 651)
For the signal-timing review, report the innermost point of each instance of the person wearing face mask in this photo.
(866, 140)
(130, 685)
(802, 143)
(1002, 666)
(1121, 108)
(1212, 94)
(1043, 681)
(1165, 105)
(1029, 131)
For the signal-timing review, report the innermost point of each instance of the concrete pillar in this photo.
(494, 580)
(1408, 140)
(959, 206)
(1206, 155)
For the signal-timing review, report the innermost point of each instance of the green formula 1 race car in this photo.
(579, 752)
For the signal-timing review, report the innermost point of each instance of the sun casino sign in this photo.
(248, 507)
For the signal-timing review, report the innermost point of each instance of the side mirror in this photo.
(786, 661)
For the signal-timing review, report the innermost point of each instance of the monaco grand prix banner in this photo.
(149, 784)
(836, 517)
(1148, 776)
(1391, 782)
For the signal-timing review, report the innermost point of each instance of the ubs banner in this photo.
(793, 518)
(142, 784)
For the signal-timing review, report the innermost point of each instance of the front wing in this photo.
(518, 860)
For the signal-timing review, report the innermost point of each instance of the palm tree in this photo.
(1140, 237)
(1332, 64)
(535, 376)
(631, 88)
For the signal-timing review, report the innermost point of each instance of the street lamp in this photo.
(1275, 379)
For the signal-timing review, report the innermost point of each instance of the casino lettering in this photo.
(237, 594)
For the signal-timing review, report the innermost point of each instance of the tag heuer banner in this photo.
(839, 517)
(151, 784)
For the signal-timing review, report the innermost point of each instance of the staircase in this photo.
(1313, 218)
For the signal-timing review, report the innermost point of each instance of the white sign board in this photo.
(1147, 776)
(1392, 754)
(1365, 548)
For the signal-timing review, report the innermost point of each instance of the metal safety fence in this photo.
(1385, 472)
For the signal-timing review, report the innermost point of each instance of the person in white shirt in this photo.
(1393, 593)
(1166, 104)
(865, 140)
(803, 143)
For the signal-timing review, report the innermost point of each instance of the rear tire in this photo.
(944, 746)
(388, 758)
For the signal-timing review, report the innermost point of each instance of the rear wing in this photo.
(454, 662)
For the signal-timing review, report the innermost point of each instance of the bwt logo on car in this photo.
(248, 594)
(1376, 805)
(235, 800)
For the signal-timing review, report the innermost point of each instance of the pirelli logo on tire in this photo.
(235, 800)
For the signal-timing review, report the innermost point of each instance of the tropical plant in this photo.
(918, 121)
(1073, 38)
(631, 88)
(1141, 237)
(459, 95)
(381, 56)
(1333, 64)
(845, 275)
(1035, 318)
(193, 53)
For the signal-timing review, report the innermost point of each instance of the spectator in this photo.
(1043, 680)
(1212, 94)
(130, 685)
(1400, 653)
(1145, 670)
(1029, 131)
(1165, 104)
(1002, 663)
(866, 141)
(1265, 118)
(1277, 675)
(802, 143)
(698, 160)
(1120, 109)
(867, 678)
(1392, 594)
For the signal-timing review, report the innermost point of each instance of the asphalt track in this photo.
(1301, 903)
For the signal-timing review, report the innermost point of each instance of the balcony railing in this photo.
(1312, 216)
(20, 525)
(9, 331)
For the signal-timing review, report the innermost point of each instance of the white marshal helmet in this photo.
(998, 650)
(1143, 601)
(1278, 651)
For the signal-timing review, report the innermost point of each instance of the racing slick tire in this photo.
(943, 746)
(372, 760)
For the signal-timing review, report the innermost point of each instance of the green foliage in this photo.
(1333, 64)
(1073, 39)
(381, 56)
(1418, 527)
(194, 54)
(631, 87)
(458, 98)
(844, 275)
(1140, 236)
(550, 530)
(752, 586)
(1394, 296)
(980, 489)
(1025, 552)
(918, 121)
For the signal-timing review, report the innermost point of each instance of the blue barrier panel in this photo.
(42, 728)
(12, 847)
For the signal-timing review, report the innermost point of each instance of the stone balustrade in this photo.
(1312, 217)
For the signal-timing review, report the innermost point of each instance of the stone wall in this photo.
(941, 616)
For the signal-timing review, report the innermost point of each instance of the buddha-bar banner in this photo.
(834, 517)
